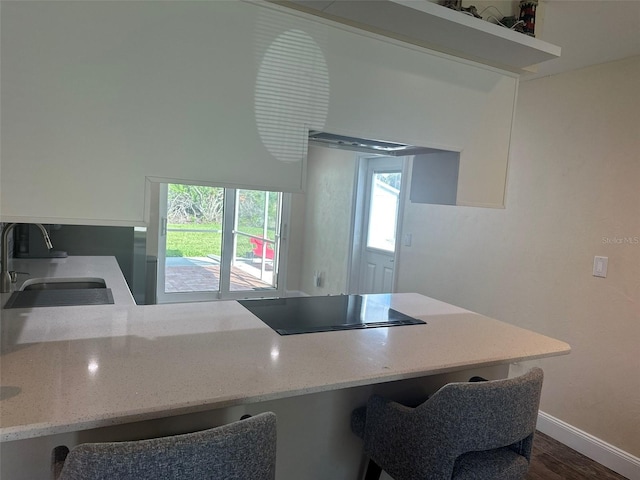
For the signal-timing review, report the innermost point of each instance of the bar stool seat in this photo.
(465, 431)
(243, 450)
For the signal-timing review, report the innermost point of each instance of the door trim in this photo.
(358, 216)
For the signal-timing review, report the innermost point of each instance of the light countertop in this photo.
(73, 267)
(73, 368)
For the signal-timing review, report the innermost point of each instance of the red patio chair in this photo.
(257, 249)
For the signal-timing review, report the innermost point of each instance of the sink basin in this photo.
(63, 283)
(61, 291)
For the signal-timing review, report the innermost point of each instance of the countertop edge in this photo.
(39, 430)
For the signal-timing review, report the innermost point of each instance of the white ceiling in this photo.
(590, 32)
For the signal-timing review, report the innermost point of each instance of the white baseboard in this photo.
(605, 454)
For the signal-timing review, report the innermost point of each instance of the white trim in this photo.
(360, 215)
(355, 236)
(228, 228)
(602, 452)
(313, 17)
(295, 293)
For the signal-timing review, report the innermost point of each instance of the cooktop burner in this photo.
(293, 315)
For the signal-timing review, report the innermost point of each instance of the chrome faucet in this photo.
(9, 277)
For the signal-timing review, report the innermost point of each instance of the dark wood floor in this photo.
(551, 460)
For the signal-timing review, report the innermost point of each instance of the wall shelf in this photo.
(438, 28)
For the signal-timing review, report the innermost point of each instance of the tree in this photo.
(251, 205)
(194, 204)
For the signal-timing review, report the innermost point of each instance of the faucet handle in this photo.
(14, 275)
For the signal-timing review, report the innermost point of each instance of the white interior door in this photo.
(382, 206)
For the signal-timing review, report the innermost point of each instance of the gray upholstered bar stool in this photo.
(243, 450)
(465, 431)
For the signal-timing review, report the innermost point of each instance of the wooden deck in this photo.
(203, 275)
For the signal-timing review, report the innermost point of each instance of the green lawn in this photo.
(201, 244)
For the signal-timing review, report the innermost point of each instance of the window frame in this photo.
(228, 230)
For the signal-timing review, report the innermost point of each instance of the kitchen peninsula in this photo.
(108, 372)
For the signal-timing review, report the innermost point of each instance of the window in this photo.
(219, 243)
(383, 210)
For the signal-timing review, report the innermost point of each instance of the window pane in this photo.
(194, 238)
(252, 216)
(383, 210)
(256, 239)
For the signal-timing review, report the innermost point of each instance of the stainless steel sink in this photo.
(63, 283)
(59, 291)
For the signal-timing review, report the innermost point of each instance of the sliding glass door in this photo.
(219, 243)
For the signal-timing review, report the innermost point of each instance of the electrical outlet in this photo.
(600, 266)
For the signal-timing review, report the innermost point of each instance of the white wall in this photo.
(573, 193)
(295, 232)
(327, 220)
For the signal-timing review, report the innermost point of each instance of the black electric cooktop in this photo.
(293, 315)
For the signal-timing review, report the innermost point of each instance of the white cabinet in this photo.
(430, 25)
(101, 98)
